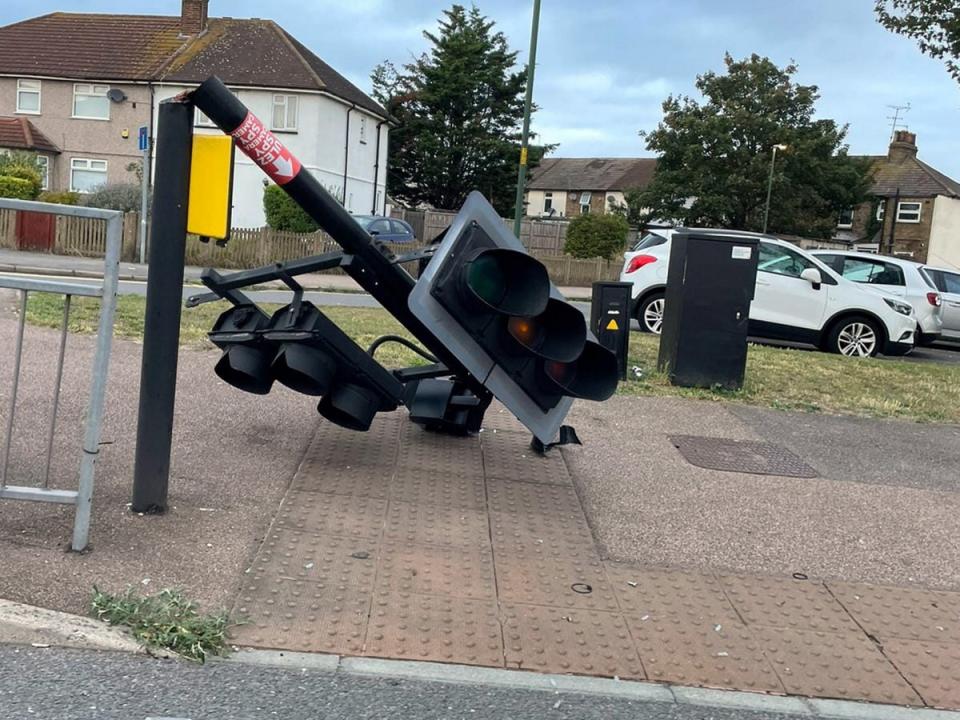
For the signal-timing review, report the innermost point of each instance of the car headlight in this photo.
(897, 306)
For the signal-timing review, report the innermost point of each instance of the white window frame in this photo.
(200, 119)
(363, 130)
(585, 197)
(881, 210)
(901, 210)
(38, 91)
(284, 101)
(43, 163)
(86, 165)
(90, 90)
(846, 226)
(547, 198)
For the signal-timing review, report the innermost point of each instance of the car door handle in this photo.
(763, 282)
(953, 304)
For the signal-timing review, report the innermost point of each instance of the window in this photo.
(28, 96)
(648, 241)
(782, 261)
(43, 165)
(951, 283)
(398, 227)
(91, 102)
(585, 203)
(363, 130)
(872, 272)
(379, 227)
(881, 210)
(548, 203)
(201, 120)
(85, 175)
(285, 112)
(908, 212)
(846, 219)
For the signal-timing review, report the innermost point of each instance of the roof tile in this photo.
(21, 134)
(592, 173)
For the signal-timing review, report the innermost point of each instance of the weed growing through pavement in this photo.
(165, 620)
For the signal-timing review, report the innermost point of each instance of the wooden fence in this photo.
(84, 237)
(8, 229)
(536, 235)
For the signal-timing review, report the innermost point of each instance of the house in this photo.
(567, 187)
(915, 210)
(19, 134)
(108, 73)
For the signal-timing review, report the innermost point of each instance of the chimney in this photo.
(193, 17)
(904, 146)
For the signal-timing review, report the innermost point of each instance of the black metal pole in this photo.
(161, 332)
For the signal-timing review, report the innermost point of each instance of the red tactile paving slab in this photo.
(660, 595)
(439, 629)
(706, 655)
(847, 666)
(435, 570)
(932, 668)
(326, 514)
(295, 615)
(418, 523)
(568, 641)
(897, 612)
(559, 582)
(330, 562)
(509, 456)
(787, 603)
(419, 486)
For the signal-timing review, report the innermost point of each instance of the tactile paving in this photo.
(742, 456)
(559, 582)
(332, 562)
(296, 615)
(420, 486)
(439, 629)
(326, 514)
(568, 641)
(702, 654)
(426, 451)
(418, 523)
(509, 456)
(932, 668)
(346, 466)
(787, 602)
(846, 666)
(660, 595)
(435, 570)
(498, 418)
(906, 613)
(550, 501)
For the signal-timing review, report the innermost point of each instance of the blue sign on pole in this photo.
(144, 140)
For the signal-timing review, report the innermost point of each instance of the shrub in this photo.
(64, 197)
(119, 196)
(16, 188)
(22, 166)
(283, 213)
(591, 236)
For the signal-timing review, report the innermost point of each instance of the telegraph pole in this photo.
(525, 139)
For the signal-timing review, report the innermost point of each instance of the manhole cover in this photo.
(743, 456)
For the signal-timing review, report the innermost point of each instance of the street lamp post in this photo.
(525, 137)
(773, 161)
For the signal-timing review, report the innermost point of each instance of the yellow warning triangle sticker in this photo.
(612, 325)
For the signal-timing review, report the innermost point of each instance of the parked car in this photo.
(948, 283)
(894, 276)
(798, 298)
(386, 229)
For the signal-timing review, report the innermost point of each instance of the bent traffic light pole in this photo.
(373, 267)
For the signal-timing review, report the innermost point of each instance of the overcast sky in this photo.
(605, 66)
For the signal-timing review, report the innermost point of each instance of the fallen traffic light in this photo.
(493, 305)
(246, 359)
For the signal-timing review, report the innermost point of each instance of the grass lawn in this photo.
(776, 377)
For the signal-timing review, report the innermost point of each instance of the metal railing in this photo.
(82, 497)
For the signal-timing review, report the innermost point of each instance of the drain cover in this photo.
(743, 456)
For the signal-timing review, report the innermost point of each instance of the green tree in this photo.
(591, 236)
(283, 213)
(934, 24)
(459, 108)
(22, 166)
(715, 155)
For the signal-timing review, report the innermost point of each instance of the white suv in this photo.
(797, 298)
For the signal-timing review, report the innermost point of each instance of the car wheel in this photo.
(855, 337)
(650, 314)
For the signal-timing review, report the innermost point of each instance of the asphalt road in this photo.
(58, 684)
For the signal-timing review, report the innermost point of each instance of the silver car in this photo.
(893, 276)
(948, 283)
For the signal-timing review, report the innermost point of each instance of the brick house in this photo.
(567, 187)
(915, 211)
(87, 82)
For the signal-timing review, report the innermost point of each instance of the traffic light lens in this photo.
(507, 281)
(524, 330)
(485, 278)
(246, 368)
(561, 373)
(305, 369)
(558, 333)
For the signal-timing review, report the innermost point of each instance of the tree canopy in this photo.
(459, 108)
(934, 24)
(715, 155)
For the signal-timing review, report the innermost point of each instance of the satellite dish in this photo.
(116, 95)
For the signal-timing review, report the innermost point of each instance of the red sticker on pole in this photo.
(262, 146)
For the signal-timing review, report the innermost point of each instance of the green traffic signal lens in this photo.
(507, 281)
(486, 278)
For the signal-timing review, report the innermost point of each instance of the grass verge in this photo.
(776, 377)
(166, 620)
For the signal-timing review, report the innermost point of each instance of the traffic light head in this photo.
(246, 359)
(493, 306)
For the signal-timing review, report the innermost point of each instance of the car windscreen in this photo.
(648, 241)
